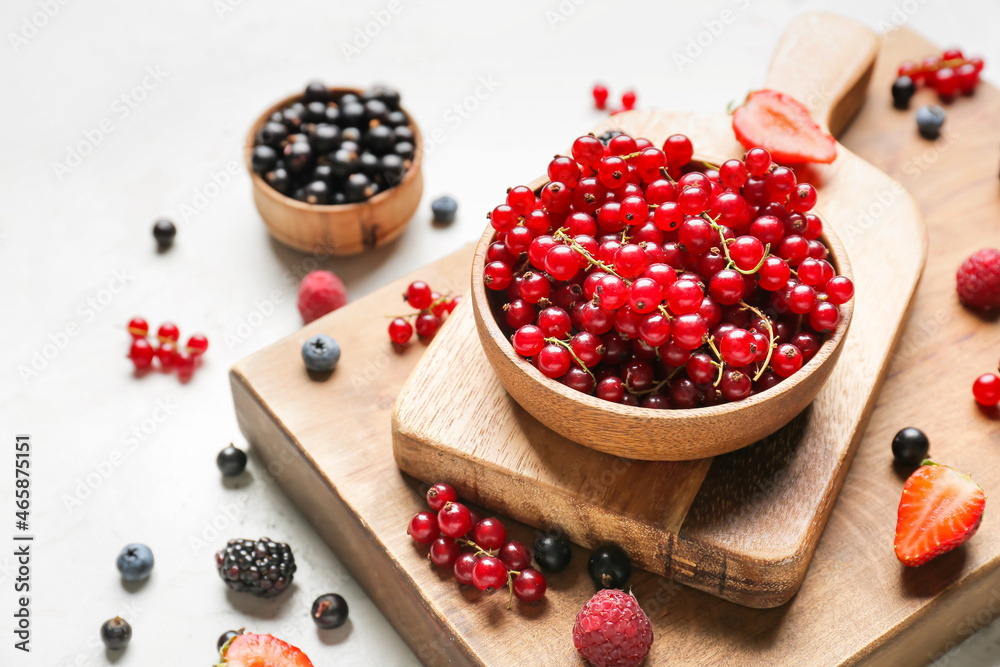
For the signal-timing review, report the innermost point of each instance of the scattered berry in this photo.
(262, 567)
(320, 292)
(903, 88)
(168, 333)
(141, 353)
(910, 446)
(609, 566)
(612, 630)
(444, 209)
(552, 553)
(600, 94)
(986, 389)
(164, 232)
(439, 495)
(784, 126)
(978, 279)
(232, 461)
(400, 331)
(116, 633)
(250, 650)
(135, 562)
(320, 353)
(197, 344)
(941, 508)
(628, 100)
(138, 327)
(930, 118)
(329, 611)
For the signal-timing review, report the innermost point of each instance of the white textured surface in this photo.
(64, 241)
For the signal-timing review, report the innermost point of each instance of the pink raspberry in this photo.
(612, 630)
(979, 279)
(320, 292)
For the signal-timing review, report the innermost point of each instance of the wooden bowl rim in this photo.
(265, 187)
(484, 312)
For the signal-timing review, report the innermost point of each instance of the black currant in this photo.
(352, 146)
(329, 611)
(324, 137)
(403, 133)
(278, 179)
(379, 140)
(903, 88)
(349, 98)
(263, 159)
(225, 637)
(609, 566)
(272, 134)
(292, 116)
(315, 91)
(332, 114)
(392, 167)
(116, 633)
(317, 193)
(164, 232)
(910, 446)
(405, 149)
(552, 553)
(231, 461)
(323, 172)
(298, 156)
(343, 163)
(396, 119)
(351, 134)
(376, 110)
(358, 188)
(315, 112)
(353, 114)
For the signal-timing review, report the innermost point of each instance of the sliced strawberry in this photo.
(940, 509)
(782, 125)
(251, 650)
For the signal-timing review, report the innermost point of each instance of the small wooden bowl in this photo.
(644, 433)
(345, 229)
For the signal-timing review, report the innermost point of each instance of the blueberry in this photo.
(164, 232)
(321, 353)
(263, 158)
(231, 461)
(910, 446)
(329, 611)
(116, 633)
(930, 118)
(135, 562)
(552, 553)
(444, 209)
(903, 89)
(609, 566)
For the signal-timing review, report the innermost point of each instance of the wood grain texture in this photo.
(328, 445)
(345, 229)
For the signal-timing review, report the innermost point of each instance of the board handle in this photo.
(825, 61)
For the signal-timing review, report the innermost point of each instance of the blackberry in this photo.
(262, 567)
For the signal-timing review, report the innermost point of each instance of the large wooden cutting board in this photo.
(329, 445)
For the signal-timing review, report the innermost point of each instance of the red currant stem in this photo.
(666, 175)
(625, 235)
(770, 338)
(730, 264)
(561, 235)
(658, 386)
(663, 311)
(721, 364)
(953, 63)
(401, 317)
(709, 165)
(479, 550)
(732, 106)
(569, 348)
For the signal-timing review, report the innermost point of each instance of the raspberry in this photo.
(612, 630)
(320, 292)
(979, 279)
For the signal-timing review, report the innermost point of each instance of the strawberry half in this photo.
(940, 509)
(251, 650)
(783, 125)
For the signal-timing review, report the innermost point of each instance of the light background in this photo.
(64, 240)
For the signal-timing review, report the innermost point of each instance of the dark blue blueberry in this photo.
(930, 118)
(321, 353)
(135, 562)
(444, 209)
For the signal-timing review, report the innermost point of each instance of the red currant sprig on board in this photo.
(490, 561)
(433, 308)
(166, 351)
(646, 278)
(949, 74)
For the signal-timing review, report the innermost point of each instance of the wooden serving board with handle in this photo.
(746, 532)
(328, 444)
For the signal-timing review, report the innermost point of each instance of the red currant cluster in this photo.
(432, 306)
(986, 389)
(949, 74)
(605, 273)
(492, 563)
(600, 94)
(167, 353)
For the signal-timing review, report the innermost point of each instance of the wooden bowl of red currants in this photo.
(336, 171)
(653, 306)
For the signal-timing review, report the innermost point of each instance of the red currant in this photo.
(839, 290)
(519, 313)
(612, 172)
(464, 565)
(419, 295)
(141, 353)
(166, 353)
(497, 276)
(553, 360)
(786, 359)
(530, 585)
(738, 348)
(600, 94)
(444, 552)
(515, 556)
(427, 324)
(168, 333)
(424, 527)
(439, 495)
(684, 296)
(735, 385)
(554, 322)
(758, 161)
(528, 340)
(489, 574)
(726, 287)
(678, 149)
(454, 519)
(701, 369)
(733, 174)
(689, 331)
(490, 534)
(611, 389)
(588, 151)
(628, 100)
(138, 327)
(197, 344)
(986, 389)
